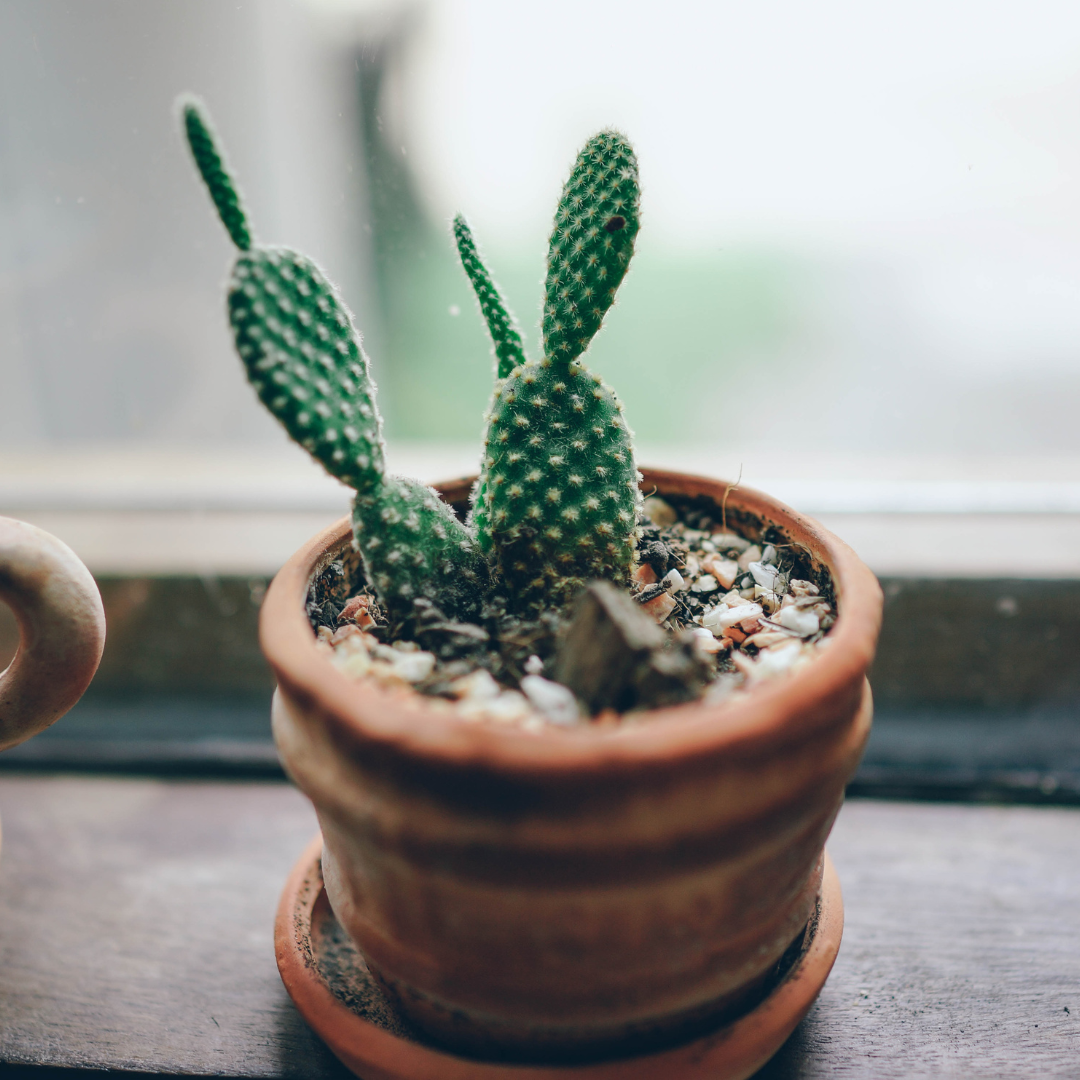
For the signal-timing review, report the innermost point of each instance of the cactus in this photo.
(505, 336)
(557, 500)
(509, 351)
(303, 356)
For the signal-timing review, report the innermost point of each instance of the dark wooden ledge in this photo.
(136, 917)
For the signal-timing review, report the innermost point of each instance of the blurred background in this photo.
(857, 286)
(861, 222)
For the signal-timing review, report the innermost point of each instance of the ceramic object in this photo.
(333, 990)
(585, 892)
(61, 630)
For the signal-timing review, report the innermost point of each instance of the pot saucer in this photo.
(330, 985)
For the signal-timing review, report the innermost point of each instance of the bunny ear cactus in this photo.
(303, 356)
(557, 501)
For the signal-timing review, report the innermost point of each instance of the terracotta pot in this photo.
(576, 893)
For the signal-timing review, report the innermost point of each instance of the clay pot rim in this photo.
(364, 713)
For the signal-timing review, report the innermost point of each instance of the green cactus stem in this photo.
(505, 336)
(558, 496)
(303, 356)
(215, 173)
(501, 324)
(596, 224)
(413, 546)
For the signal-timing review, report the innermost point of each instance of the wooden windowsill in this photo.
(235, 510)
(136, 934)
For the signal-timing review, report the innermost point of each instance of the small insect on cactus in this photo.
(557, 500)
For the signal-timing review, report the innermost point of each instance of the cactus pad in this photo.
(211, 165)
(297, 342)
(509, 351)
(414, 546)
(560, 485)
(596, 224)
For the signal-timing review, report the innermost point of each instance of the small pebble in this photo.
(659, 512)
(802, 622)
(660, 607)
(767, 639)
(478, 686)
(343, 632)
(724, 570)
(534, 666)
(415, 666)
(353, 659)
(704, 640)
(356, 610)
(706, 584)
(674, 580)
(767, 577)
(729, 542)
(770, 662)
(555, 701)
(645, 575)
(751, 555)
(507, 708)
(767, 599)
(722, 617)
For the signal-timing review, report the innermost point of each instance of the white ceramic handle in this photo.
(61, 629)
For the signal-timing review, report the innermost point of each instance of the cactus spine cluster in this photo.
(557, 500)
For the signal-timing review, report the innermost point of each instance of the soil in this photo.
(503, 642)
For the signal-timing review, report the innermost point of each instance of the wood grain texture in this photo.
(136, 933)
(961, 952)
(136, 927)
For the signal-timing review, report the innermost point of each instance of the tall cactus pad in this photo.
(297, 342)
(414, 546)
(560, 486)
(505, 335)
(558, 494)
(211, 166)
(592, 241)
(509, 351)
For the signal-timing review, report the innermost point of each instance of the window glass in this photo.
(861, 221)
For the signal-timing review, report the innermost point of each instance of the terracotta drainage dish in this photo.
(335, 993)
(578, 894)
